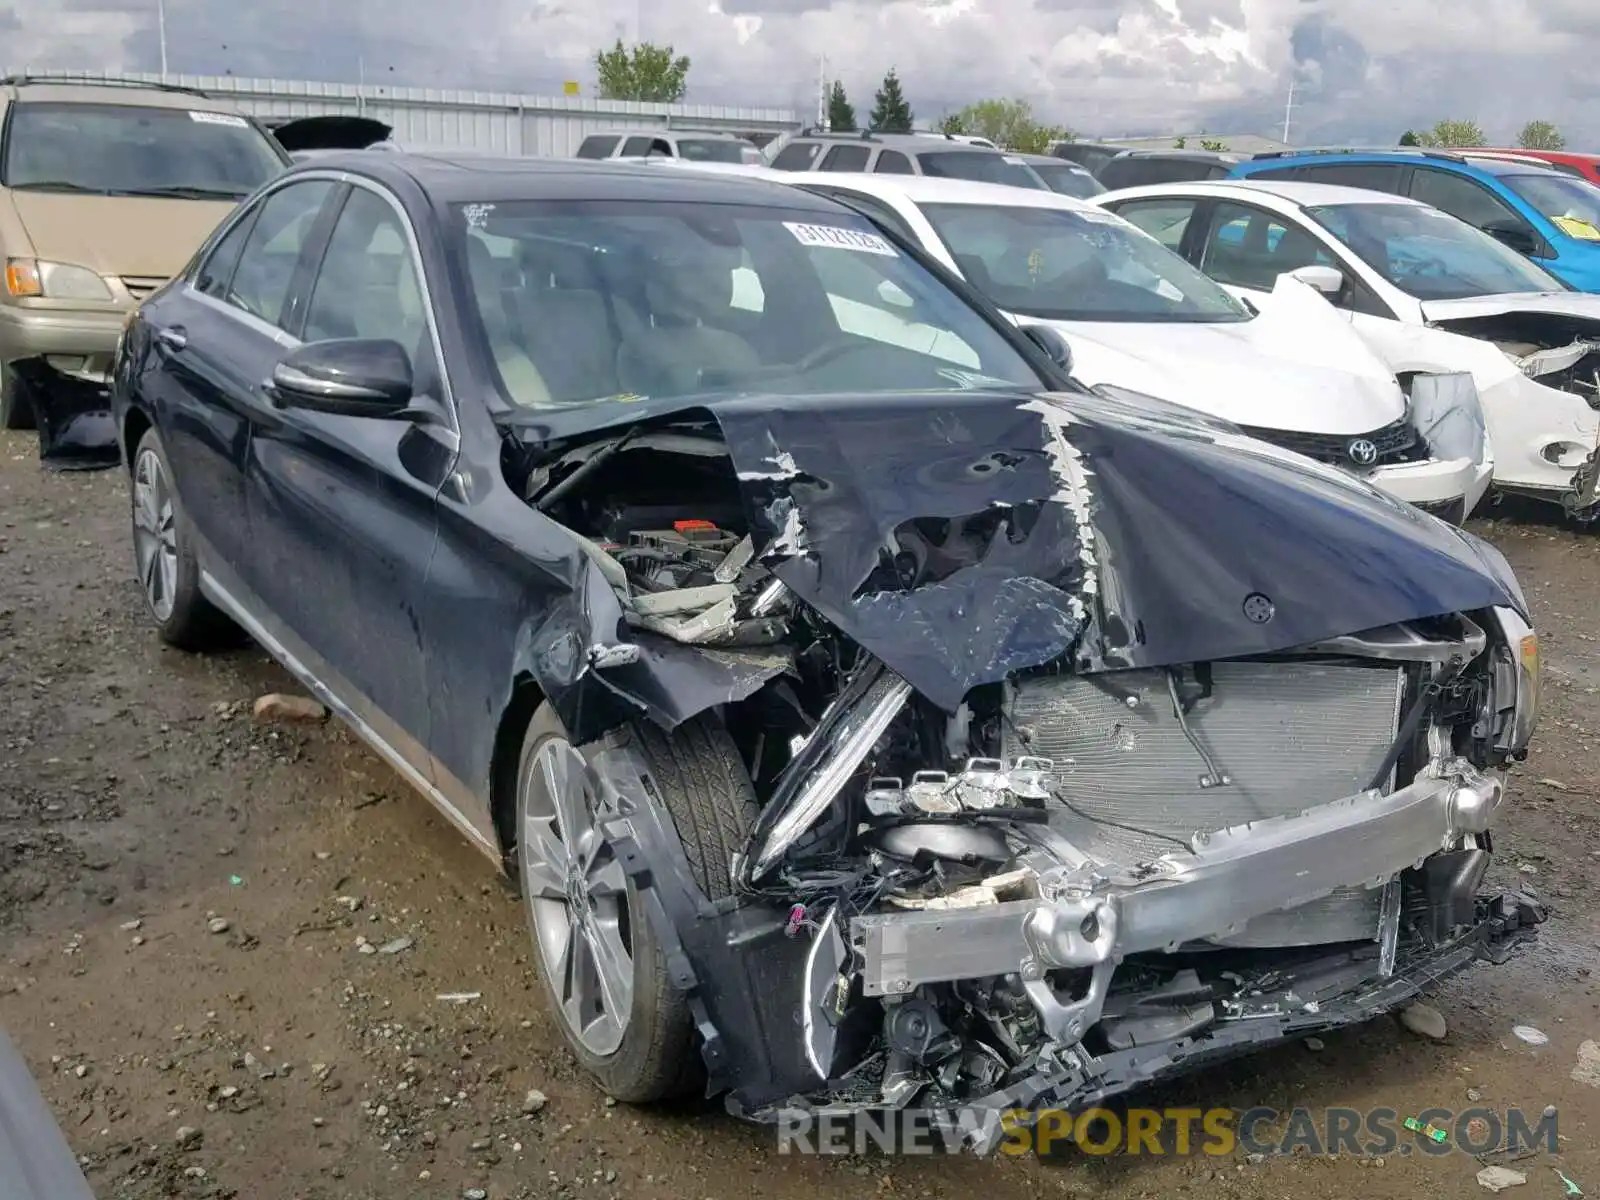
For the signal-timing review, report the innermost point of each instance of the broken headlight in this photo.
(1516, 684)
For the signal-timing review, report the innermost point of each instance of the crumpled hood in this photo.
(1133, 535)
(1292, 367)
(1565, 304)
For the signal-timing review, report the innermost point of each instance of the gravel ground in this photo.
(184, 893)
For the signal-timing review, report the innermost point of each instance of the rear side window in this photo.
(1375, 177)
(637, 147)
(1136, 172)
(847, 158)
(892, 162)
(598, 145)
(796, 156)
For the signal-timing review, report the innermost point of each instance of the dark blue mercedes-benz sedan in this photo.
(867, 712)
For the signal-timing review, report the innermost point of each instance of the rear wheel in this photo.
(603, 968)
(163, 551)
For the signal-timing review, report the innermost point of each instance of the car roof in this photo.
(1045, 160)
(468, 178)
(657, 131)
(1187, 155)
(1299, 195)
(1575, 157)
(922, 143)
(922, 189)
(53, 89)
(1445, 159)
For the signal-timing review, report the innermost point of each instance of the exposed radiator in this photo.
(1289, 735)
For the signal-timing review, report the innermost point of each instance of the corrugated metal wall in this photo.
(492, 122)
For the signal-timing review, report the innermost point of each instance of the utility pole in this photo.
(822, 91)
(161, 30)
(1288, 110)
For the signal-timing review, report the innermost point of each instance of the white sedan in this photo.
(1291, 372)
(1427, 291)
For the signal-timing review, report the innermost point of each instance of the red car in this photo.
(1584, 166)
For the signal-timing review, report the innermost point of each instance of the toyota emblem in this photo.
(1362, 452)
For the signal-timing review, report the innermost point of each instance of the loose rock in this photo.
(188, 1137)
(218, 925)
(1527, 1033)
(534, 1101)
(277, 707)
(396, 946)
(1424, 1021)
(1497, 1179)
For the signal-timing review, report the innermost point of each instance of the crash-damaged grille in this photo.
(1396, 443)
(1287, 736)
(140, 286)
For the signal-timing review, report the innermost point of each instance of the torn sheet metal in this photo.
(76, 429)
(1559, 358)
(1202, 544)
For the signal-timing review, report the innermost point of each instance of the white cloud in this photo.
(1365, 68)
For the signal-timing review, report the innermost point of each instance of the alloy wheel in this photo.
(577, 898)
(155, 534)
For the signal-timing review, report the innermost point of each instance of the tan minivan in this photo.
(107, 188)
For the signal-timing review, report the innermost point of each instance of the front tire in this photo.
(603, 970)
(164, 557)
(16, 406)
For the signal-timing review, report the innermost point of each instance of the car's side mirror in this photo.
(348, 377)
(1327, 280)
(1513, 236)
(1052, 343)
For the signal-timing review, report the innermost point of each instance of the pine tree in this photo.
(841, 113)
(890, 112)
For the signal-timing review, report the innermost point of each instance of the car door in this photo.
(341, 508)
(215, 340)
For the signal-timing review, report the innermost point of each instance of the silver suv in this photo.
(942, 156)
(698, 145)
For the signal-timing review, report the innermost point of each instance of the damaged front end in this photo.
(1091, 742)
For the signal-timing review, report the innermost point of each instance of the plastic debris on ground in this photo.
(1527, 1033)
(1497, 1179)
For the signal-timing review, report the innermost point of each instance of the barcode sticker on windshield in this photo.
(834, 237)
(208, 118)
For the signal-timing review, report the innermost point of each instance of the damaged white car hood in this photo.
(1565, 304)
(1297, 365)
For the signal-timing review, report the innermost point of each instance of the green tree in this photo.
(890, 112)
(646, 72)
(1541, 135)
(951, 123)
(841, 113)
(1410, 139)
(1216, 147)
(1179, 143)
(1008, 123)
(1452, 134)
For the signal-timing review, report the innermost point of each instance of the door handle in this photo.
(173, 337)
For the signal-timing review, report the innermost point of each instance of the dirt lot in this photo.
(183, 893)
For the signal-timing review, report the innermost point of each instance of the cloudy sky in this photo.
(1362, 68)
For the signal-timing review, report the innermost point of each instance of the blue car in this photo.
(1551, 217)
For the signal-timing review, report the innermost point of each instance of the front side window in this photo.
(1250, 248)
(892, 162)
(1429, 254)
(216, 272)
(277, 239)
(1461, 197)
(1571, 205)
(980, 166)
(1164, 220)
(584, 301)
(128, 150)
(636, 147)
(367, 286)
(796, 156)
(1058, 264)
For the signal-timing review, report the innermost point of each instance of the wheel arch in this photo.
(526, 697)
(134, 426)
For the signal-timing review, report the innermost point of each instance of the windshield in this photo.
(585, 301)
(981, 166)
(127, 150)
(1432, 255)
(723, 150)
(1063, 265)
(1080, 185)
(1571, 205)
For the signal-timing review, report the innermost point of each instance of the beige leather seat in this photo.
(524, 383)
